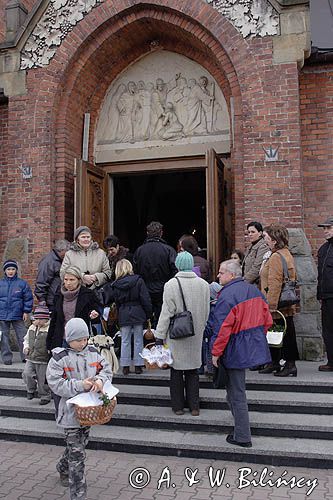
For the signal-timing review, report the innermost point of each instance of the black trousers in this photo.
(327, 325)
(289, 350)
(156, 301)
(184, 389)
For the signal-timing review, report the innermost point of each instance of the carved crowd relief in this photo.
(250, 17)
(162, 110)
(59, 19)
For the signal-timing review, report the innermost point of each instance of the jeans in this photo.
(126, 335)
(20, 331)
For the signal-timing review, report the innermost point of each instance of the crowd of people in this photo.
(231, 314)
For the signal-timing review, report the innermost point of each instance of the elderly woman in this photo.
(186, 352)
(272, 279)
(85, 254)
(73, 301)
(254, 254)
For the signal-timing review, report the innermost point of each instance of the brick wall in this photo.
(45, 126)
(316, 107)
(3, 167)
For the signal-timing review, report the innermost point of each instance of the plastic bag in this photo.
(159, 354)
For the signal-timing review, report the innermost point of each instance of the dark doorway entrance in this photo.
(176, 199)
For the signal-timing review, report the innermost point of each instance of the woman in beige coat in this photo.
(85, 254)
(271, 279)
(186, 352)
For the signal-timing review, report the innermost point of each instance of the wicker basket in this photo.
(275, 339)
(153, 366)
(94, 415)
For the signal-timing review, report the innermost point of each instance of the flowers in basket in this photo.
(157, 356)
(275, 335)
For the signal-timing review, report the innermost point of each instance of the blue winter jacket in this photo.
(15, 298)
(241, 319)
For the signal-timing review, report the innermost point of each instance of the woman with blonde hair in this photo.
(272, 278)
(132, 299)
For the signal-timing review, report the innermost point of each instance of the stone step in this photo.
(274, 451)
(262, 424)
(309, 380)
(263, 401)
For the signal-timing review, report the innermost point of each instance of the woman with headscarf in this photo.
(186, 352)
(85, 254)
(73, 301)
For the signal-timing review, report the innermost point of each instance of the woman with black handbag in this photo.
(185, 292)
(272, 278)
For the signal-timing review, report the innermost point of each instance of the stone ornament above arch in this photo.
(250, 17)
(165, 104)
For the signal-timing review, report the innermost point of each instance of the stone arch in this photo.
(126, 34)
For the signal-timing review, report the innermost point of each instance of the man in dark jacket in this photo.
(155, 262)
(325, 291)
(240, 323)
(15, 305)
(115, 252)
(48, 278)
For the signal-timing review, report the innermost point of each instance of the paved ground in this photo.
(27, 472)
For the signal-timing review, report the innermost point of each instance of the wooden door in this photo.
(215, 209)
(91, 200)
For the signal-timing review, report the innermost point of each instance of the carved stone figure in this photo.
(199, 104)
(171, 127)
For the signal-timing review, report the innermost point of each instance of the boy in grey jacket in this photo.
(71, 371)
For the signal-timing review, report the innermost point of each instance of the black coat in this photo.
(325, 271)
(48, 278)
(86, 302)
(155, 262)
(131, 297)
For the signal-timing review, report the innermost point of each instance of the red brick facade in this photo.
(316, 105)
(45, 125)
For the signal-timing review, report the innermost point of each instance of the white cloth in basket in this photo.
(93, 398)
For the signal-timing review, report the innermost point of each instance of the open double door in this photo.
(94, 205)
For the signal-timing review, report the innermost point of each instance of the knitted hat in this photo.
(74, 271)
(79, 230)
(41, 312)
(10, 263)
(184, 261)
(214, 289)
(75, 329)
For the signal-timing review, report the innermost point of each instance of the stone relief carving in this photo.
(250, 17)
(59, 19)
(162, 111)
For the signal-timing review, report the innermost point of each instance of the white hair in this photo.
(61, 245)
(233, 267)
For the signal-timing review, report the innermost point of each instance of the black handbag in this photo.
(181, 324)
(220, 376)
(288, 295)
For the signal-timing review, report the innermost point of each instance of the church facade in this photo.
(205, 114)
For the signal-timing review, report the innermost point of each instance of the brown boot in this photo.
(126, 370)
(138, 370)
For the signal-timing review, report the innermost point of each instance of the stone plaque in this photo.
(164, 102)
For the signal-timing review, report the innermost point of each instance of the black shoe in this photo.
(270, 368)
(289, 370)
(126, 370)
(138, 370)
(30, 395)
(44, 401)
(7, 362)
(231, 440)
(256, 368)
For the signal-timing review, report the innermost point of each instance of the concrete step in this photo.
(266, 450)
(262, 401)
(262, 424)
(309, 380)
